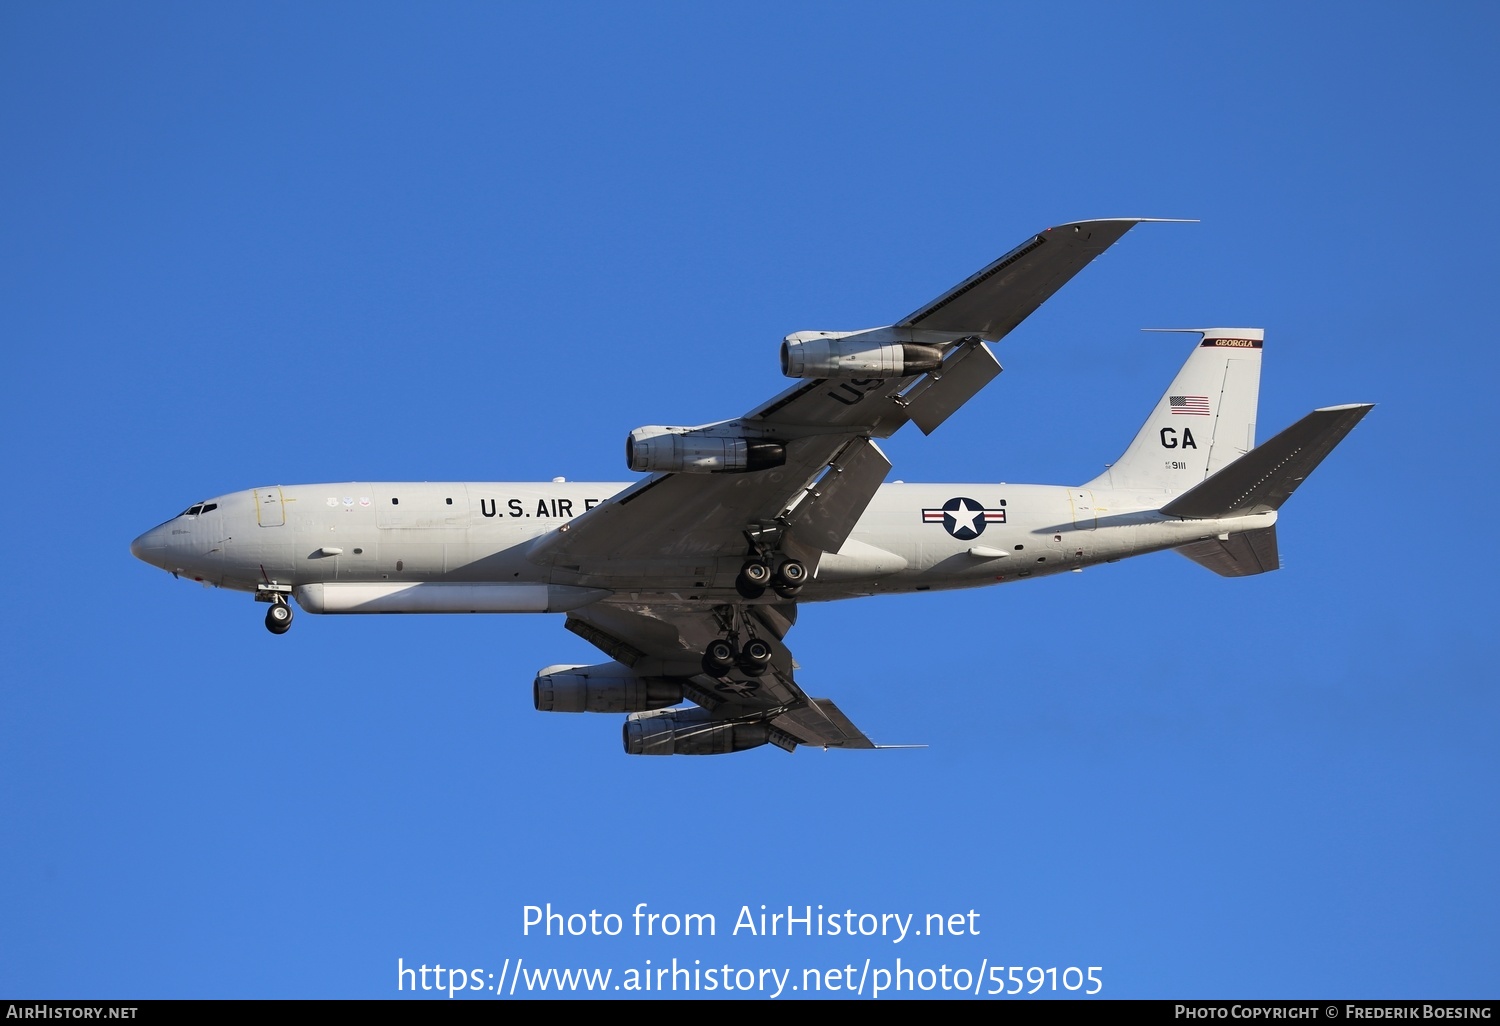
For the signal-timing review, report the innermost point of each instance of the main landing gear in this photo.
(279, 616)
(757, 575)
(721, 656)
(726, 654)
(767, 566)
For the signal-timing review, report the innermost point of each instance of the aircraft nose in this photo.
(149, 547)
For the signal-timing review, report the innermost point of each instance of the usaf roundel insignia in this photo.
(964, 518)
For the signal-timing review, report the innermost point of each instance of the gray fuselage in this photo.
(912, 537)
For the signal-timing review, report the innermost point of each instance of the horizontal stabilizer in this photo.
(1239, 555)
(1266, 476)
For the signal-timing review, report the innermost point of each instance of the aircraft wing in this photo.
(669, 548)
(827, 426)
(996, 299)
(665, 639)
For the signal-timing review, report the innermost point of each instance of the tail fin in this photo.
(1205, 420)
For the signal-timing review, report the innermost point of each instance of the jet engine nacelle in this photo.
(677, 450)
(690, 732)
(844, 358)
(606, 687)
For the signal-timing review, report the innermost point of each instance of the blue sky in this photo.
(293, 243)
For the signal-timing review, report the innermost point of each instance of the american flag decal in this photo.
(1189, 405)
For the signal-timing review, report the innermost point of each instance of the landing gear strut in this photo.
(279, 616)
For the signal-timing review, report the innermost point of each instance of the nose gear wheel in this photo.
(279, 617)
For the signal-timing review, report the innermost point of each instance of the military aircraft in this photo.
(689, 579)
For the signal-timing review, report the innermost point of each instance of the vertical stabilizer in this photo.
(1205, 420)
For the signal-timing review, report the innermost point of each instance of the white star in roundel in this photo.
(965, 521)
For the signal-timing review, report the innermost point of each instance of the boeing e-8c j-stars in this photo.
(689, 580)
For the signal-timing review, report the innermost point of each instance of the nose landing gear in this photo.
(279, 616)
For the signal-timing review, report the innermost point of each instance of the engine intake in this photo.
(606, 687)
(690, 732)
(840, 358)
(675, 450)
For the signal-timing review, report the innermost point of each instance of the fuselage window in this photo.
(395, 501)
(450, 502)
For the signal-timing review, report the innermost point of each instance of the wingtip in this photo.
(1130, 220)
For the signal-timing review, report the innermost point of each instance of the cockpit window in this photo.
(202, 507)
